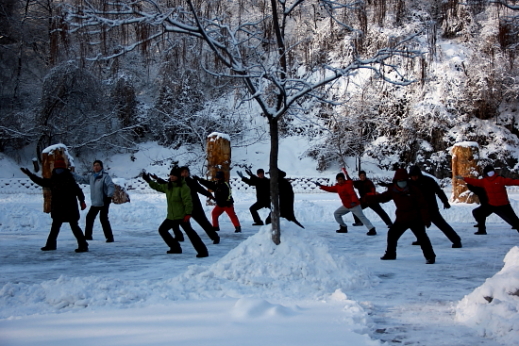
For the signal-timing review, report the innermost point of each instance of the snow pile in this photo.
(493, 308)
(301, 267)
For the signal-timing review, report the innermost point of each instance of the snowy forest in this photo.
(392, 81)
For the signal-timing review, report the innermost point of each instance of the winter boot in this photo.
(388, 256)
(372, 231)
(216, 240)
(48, 248)
(356, 224)
(201, 255)
(457, 245)
(260, 223)
(216, 229)
(482, 230)
(81, 249)
(343, 229)
(110, 240)
(416, 242)
(238, 229)
(430, 260)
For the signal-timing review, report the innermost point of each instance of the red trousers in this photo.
(217, 211)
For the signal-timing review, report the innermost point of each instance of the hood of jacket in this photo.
(400, 174)
(415, 171)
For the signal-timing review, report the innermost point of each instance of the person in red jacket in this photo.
(350, 202)
(495, 188)
(411, 212)
(366, 188)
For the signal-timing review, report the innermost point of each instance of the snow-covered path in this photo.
(322, 288)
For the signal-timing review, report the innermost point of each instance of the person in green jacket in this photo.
(180, 207)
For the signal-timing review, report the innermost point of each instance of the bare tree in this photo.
(255, 42)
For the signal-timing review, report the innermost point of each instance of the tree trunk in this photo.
(465, 157)
(274, 178)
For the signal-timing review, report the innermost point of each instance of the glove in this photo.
(240, 174)
(248, 171)
(83, 205)
(146, 177)
(107, 200)
(25, 171)
(316, 183)
(446, 205)
(186, 218)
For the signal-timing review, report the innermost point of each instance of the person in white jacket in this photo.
(101, 191)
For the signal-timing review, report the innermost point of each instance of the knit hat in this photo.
(488, 168)
(340, 175)
(175, 171)
(60, 163)
(219, 175)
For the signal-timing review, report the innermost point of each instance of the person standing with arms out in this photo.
(64, 207)
(262, 185)
(430, 189)
(198, 211)
(498, 202)
(180, 208)
(224, 200)
(411, 212)
(350, 202)
(101, 191)
(366, 188)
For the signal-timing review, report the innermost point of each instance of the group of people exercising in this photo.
(413, 193)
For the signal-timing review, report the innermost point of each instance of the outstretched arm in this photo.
(346, 173)
(37, 180)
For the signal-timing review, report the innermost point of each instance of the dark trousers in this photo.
(164, 228)
(52, 239)
(254, 211)
(438, 220)
(199, 216)
(377, 209)
(504, 211)
(103, 217)
(418, 228)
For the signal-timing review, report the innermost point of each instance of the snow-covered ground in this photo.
(316, 288)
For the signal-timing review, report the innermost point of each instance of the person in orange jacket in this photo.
(498, 202)
(350, 202)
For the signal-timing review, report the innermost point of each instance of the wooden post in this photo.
(48, 157)
(465, 156)
(218, 155)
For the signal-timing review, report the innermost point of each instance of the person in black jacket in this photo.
(64, 190)
(224, 200)
(366, 188)
(198, 213)
(286, 200)
(412, 212)
(262, 185)
(430, 189)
